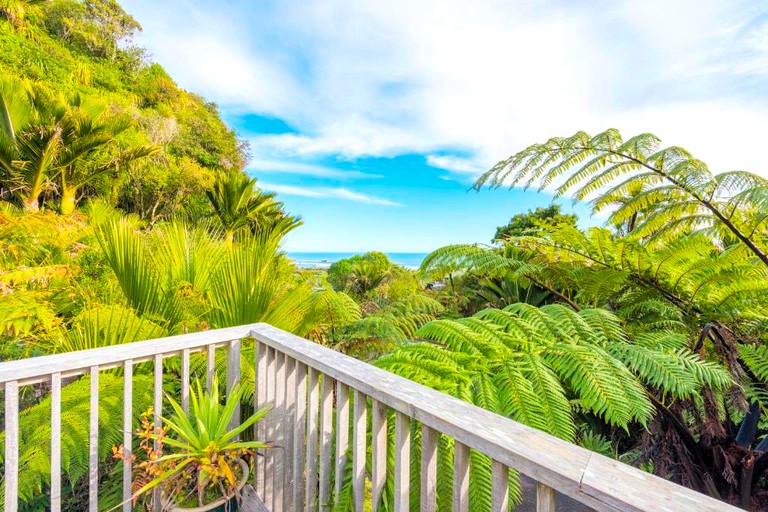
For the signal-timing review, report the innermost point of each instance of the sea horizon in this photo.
(324, 259)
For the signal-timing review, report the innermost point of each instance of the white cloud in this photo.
(455, 164)
(290, 167)
(328, 192)
(482, 78)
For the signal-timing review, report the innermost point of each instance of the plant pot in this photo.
(220, 504)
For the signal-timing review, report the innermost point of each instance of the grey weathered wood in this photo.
(326, 442)
(549, 460)
(269, 455)
(402, 476)
(233, 375)
(259, 472)
(545, 498)
(342, 436)
(310, 498)
(127, 433)
(93, 443)
(210, 366)
(500, 487)
(11, 460)
(279, 422)
(379, 455)
(38, 369)
(158, 410)
(300, 424)
(185, 380)
(250, 501)
(56, 442)
(289, 430)
(428, 470)
(460, 477)
(358, 451)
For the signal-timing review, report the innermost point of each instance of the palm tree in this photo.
(236, 201)
(86, 136)
(28, 148)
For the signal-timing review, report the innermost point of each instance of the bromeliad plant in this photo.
(194, 453)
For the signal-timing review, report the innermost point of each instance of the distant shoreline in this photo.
(323, 260)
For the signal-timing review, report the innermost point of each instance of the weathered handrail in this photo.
(597, 481)
(54, 368)
(305, 383)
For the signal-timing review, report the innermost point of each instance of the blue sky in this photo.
(371, 119)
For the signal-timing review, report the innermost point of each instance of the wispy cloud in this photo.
(486, 77)
(456, 164)
(328, 192)
(256, 167)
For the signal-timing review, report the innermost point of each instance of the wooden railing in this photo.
(315, 394)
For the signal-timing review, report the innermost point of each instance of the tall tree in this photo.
(523, 223)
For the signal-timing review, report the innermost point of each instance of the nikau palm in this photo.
(237, 201)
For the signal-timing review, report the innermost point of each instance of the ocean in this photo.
(323, 260)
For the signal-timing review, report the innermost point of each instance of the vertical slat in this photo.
(127, 432)
(312, 435)
(500, 487)
(358, 451)
(342, 435)
(402, 462)
(289, 431)
(261, 427)
(326, 442)
(545, 498)
(279, 421)
(11, 461)
(93, 443)
(379, 449)
(300, 428)
(185, 380)
(460, 478)
(210, 366)
(269, 455)
(56, 442)
(233, 376)
(428, 469)
(158, 410)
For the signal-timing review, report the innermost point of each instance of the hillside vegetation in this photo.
(126, 214)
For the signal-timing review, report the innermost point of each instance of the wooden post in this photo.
(428, 469)
(93, 444)
(545, 498)
(279, 422)
(259, 472)
(460, 478)
(210, 366)
(233, 376)
(289, 430)
(358, 451)
(500, 487)
(11, 461)
(56, 442)
(379, 463)
(342, 435)
(326, 433)
(300, 427)
(402, 462)
(310, 500)
(127, 433)
(185, 380)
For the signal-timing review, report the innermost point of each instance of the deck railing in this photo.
(314, 392)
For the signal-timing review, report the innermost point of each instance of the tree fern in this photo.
(671, 191)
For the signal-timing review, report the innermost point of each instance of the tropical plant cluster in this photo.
(126, 214)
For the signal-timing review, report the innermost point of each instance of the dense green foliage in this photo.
(125, 214)
(524, 223)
